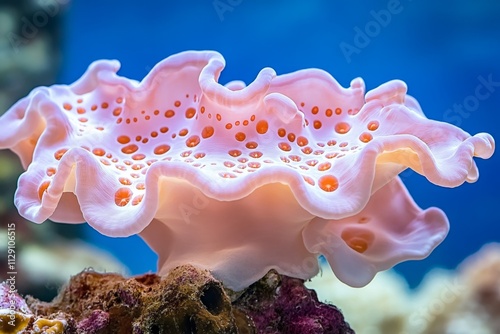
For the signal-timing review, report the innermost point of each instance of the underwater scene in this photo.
(235, 166)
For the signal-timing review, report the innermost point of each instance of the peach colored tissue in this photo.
(239, 179)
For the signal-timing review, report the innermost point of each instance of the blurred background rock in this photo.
(30, 56)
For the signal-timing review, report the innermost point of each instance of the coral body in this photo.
(189, 300)
(191, 164)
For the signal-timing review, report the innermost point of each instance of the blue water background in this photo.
(439, 48)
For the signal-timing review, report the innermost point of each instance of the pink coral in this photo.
(239, 179)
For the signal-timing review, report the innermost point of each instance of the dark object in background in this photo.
(30, 46)
(188, 300)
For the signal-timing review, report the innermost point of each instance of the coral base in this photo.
(188, 300)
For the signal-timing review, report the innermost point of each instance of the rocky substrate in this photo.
(188, 300)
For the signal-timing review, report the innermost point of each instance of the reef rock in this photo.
(187, 300)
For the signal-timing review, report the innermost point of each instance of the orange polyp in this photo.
(229, 126)
(140, 186)
(255, 154)
(315, 110)
(119, 100)
(317, 124)
(156, 112)
(192, 141)
(163, 129)
(135, 175)
(291, 137)
(59, 153)
(227, 175)
(183, 132)
(137, 199)
(318, 152)
(190, 112)
(373, 125)
(137, 166)
(135, 119)
(199, 155)
(309, 180)
(114, 160)
(251, 145)
(202, 109)
(127, 121)
(342, 127)
(125, 181)
(328, 112)
(145, 140)
(138, 156)
(161, 149)
(169, 113)
(237, 123)
(240, 136)
(254, 165)
(79, 101)
(123, 139)
(83, 119)
(245, 122)
(51, 171)
(363, 220)
(94, 107)
(302, 141)
(307, 150)
(80, 110)
(177, 103)
(285, 146)
(147, 117)
(43, 188)
(242, 160)
(150, 162)
(331, 142)
(262, 127)
(104, 105)
(285, 159)
(338, 111)
(105, 162)
(328, 183)
(229, 164)
(218, 117)
(343, 144)
(100, 128)
(127, 162)
(331, 155)
(67, 106)
(295, 158)
(281, 132)
(117, 111)
(122, 196)
(324, 166)
(207, 132)
(129, 149)
(365, 137)
(235, 153)
(154, 134)
(358, 240)
(119, 120)
(99, 152)
(312, 163)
